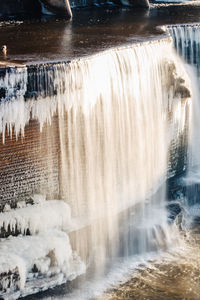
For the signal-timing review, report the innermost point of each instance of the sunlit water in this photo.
(176, 273)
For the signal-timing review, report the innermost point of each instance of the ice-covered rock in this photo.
(44, 255)
(54, 214)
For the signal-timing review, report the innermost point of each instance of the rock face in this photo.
(59, 7)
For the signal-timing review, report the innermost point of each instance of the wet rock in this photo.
(179, 85)
(59, 7)
(9, 281)
(179, 220)
(181, 89)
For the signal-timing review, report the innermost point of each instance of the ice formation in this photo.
(37, 218)
(46, 253)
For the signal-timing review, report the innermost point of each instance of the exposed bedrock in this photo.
(59, 7)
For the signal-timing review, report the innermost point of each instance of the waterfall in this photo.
(187, 42)
(117, 119)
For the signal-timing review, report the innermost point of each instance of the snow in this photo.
(43, 216)
(45, 254)
(48, 253)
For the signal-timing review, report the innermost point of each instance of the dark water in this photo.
(90, 31)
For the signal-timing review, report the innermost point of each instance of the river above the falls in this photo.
(91, 31)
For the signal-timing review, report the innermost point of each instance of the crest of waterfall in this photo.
(118, 113)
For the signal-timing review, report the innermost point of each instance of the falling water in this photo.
(175, 275)
(118, 117)
(187, 42)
